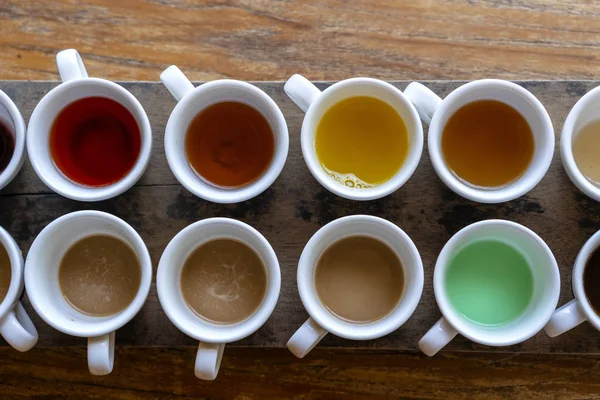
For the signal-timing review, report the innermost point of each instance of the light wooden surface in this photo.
(326, 40)
(296, 206)
(264, 374)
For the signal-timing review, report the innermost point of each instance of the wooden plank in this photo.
(326, 39)
(167, 373)
(296, 206)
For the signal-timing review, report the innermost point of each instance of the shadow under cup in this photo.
(546, 283)
(42, 268)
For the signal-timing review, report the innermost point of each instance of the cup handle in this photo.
(101, 354)
(437, 337)
(176, 82)
(565, 318)
(306, 338)
(425, 101)
(70, 65)
(17, 329)
(301, 91)
(208, 360)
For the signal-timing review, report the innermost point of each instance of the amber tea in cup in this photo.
(230, 144)
(487, 144)
(100, 275)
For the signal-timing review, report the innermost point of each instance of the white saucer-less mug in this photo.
(11, 118)
(315, 103)
(77, 85)
(578, 310)
(212, 336)
(191, 101)
(43, 288)
(436, 112)
(15, 325)
(321, 320)
(546, 289)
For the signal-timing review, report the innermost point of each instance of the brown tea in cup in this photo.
(224, 281)
(100, 275)
(359, 279)
(5, 272)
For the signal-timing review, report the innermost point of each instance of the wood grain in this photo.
(167, 373)
(296, 206)
(326, 40)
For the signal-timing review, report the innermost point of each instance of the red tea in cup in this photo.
(95, 141)
(7, 147)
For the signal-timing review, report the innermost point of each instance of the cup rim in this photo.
(18, 157)
(92, 193)
(252, 323)
(215, 194)
(388, 187)
(15, 257)
(113, 322)
(591, 245)
(566, 146)
(443, 303)
(359, 331)
(506, 193)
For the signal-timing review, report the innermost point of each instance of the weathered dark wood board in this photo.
(296, 206)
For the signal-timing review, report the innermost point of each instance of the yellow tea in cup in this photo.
(361, 142)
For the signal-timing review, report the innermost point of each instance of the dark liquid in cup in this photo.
(7, 146)
(5, 272)
(95, 141)
(591, 280)
(230, 144)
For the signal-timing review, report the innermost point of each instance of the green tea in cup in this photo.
(489, 282)
(497, 283)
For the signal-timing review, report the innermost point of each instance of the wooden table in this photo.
(256, 40)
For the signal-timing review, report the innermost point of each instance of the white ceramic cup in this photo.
(15, 325)
(546, 289)
(315, 103)
(213, 337)
(76, 85)
(43, 288)
(11, 118)
(582, 113)
(321, 320)
(436, 112)
(191, 101)
(579, 309)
